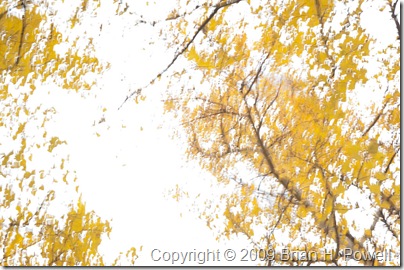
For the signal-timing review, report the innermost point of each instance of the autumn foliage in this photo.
(278, 91)
(32, 177)
(302, 96)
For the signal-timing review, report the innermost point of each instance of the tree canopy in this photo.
(39, 225)
(293, 105)
(278, 89)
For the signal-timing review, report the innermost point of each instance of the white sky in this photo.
(126, 173)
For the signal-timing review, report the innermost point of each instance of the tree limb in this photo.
(391, 160)
(187, 45)
(393, 8)
(374, 120)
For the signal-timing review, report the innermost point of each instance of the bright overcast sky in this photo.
(128, 164)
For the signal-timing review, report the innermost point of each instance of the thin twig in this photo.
(185, 48)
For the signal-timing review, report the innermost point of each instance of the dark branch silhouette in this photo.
(218, 7)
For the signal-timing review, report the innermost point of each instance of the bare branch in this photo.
(374, 120)
(187, 45)
(393, 9)
(391, 160)
(383, 218)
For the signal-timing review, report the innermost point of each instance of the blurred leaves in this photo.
(32, 165)
(276, 97)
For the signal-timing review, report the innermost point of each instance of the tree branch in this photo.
(388, 226)
(374, 120)
(391, 160)
(393, 8)
(24, 24)
(187, 45)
